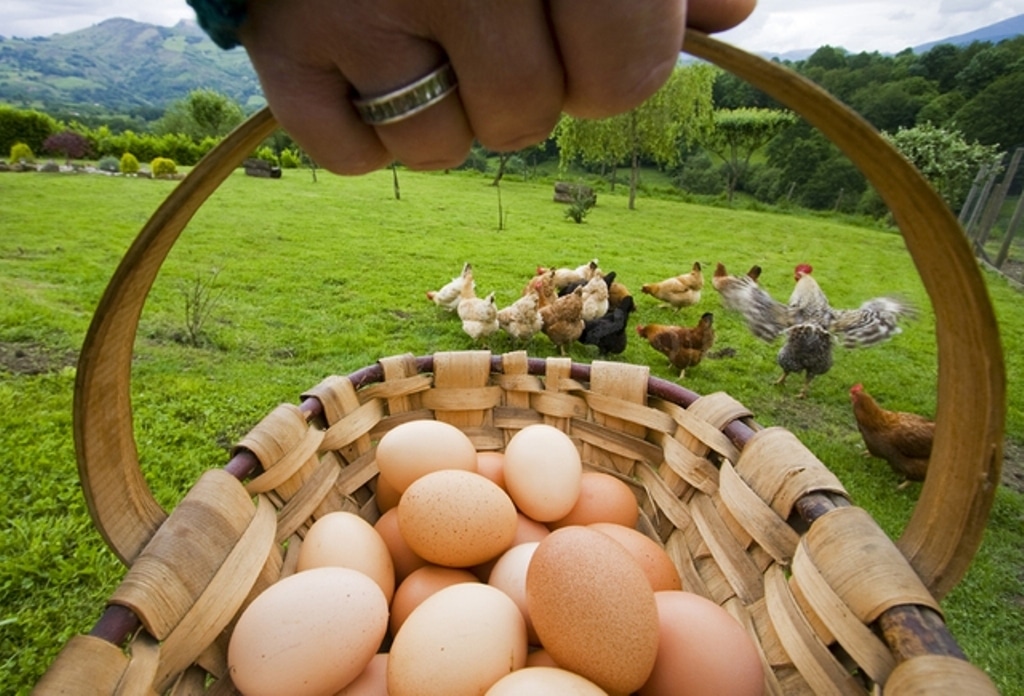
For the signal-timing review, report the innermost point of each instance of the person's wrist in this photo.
(220, 19)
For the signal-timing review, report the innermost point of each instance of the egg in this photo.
(403, 558)
(661, 572)
(526, 530)
(372, 681)
(456, 518)
(492, 465)
(417, 447)
(702, 651)
(540, 658)
(309, 634)
(543, 471)
(602, 498)
(593, 608)
(347, 540)
(386, 495)
(458, 642)
(509, 576)
(420, 584)
(544, 681)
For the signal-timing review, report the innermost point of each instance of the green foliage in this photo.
(739, 133)
(582, 200)
(203, 113)
(129, 163)
(161, 166)
(267, 155)
(20, 152)
(24, 126)
(290, 159)
(987, 119)
(109, 164)
(945, 158)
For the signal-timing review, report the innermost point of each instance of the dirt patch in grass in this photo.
(34, 358)
(1013, 465)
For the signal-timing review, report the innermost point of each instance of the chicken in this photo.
(617, 292)
(595, 297)
(902, 439)
(448, 296)
(521, 320)
(680, 291)
(479, 315)
(683, 346)
(565, 276)
(608, 332)
(563, 319)
(809, 323)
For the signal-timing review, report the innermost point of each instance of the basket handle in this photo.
(946, 528)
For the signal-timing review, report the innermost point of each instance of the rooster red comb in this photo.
(857, 388)
(804, 268)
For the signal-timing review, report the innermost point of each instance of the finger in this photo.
(718, 15)
(616, 54)
(307, 94)
(511, 82)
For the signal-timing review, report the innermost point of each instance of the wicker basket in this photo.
(752, 519)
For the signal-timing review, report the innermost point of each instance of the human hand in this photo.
(520, 64)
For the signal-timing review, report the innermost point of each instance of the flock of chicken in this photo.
(587, 305)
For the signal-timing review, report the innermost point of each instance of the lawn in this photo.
(311, 279)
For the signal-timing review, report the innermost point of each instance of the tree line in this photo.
(951, 110)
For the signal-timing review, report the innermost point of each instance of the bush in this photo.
(129, 163)
(109, 164)
(20, 152)
(290, 159)
(161, 166)
(267, 155)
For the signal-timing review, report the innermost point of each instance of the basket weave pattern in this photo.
(718, 491)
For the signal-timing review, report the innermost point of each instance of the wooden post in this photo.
(1011, 231)
(996, 200)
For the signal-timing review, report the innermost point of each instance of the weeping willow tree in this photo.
(677, 114)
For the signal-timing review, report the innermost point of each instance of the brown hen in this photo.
(683, 346)
(902, 439)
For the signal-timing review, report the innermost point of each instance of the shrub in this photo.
(290, 159)
(129, 163)
(267, 155)
(20, 152)
(68, 143)
(109, 164)
(161, 166)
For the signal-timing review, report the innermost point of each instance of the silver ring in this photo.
(409, 100)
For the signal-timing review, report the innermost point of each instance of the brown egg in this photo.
(603, 498)
(386, 495)
(460, 640)
(593, 608)
(509, 576)
(456, 518)
(702, 651)
(372, 681)
(544, 681)
(308, 634)
(492, 465)
(653, 559)
(346, 540)
(418, 447)
(540, 658)
(420, 584)
(543, 472)
(527, 530)
(403, 558)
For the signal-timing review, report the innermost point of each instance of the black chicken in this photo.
(608, 332)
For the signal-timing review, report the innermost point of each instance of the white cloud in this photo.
(28, 18)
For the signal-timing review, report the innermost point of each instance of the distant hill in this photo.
(993, 33)
(122, 64)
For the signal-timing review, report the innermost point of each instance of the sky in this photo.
(776, 26)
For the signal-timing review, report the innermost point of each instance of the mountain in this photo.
(993, 33)
(122, 64)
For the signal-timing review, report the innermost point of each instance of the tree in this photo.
(24, 126)
(739, 133)
(994, 116)
(203, 113)
(945, 158)
(677, 113)
(68, 143)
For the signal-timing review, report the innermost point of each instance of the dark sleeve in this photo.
(220, 19)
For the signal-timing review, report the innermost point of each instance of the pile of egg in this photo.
(488, 574)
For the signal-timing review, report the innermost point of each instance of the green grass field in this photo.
(313, 279)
